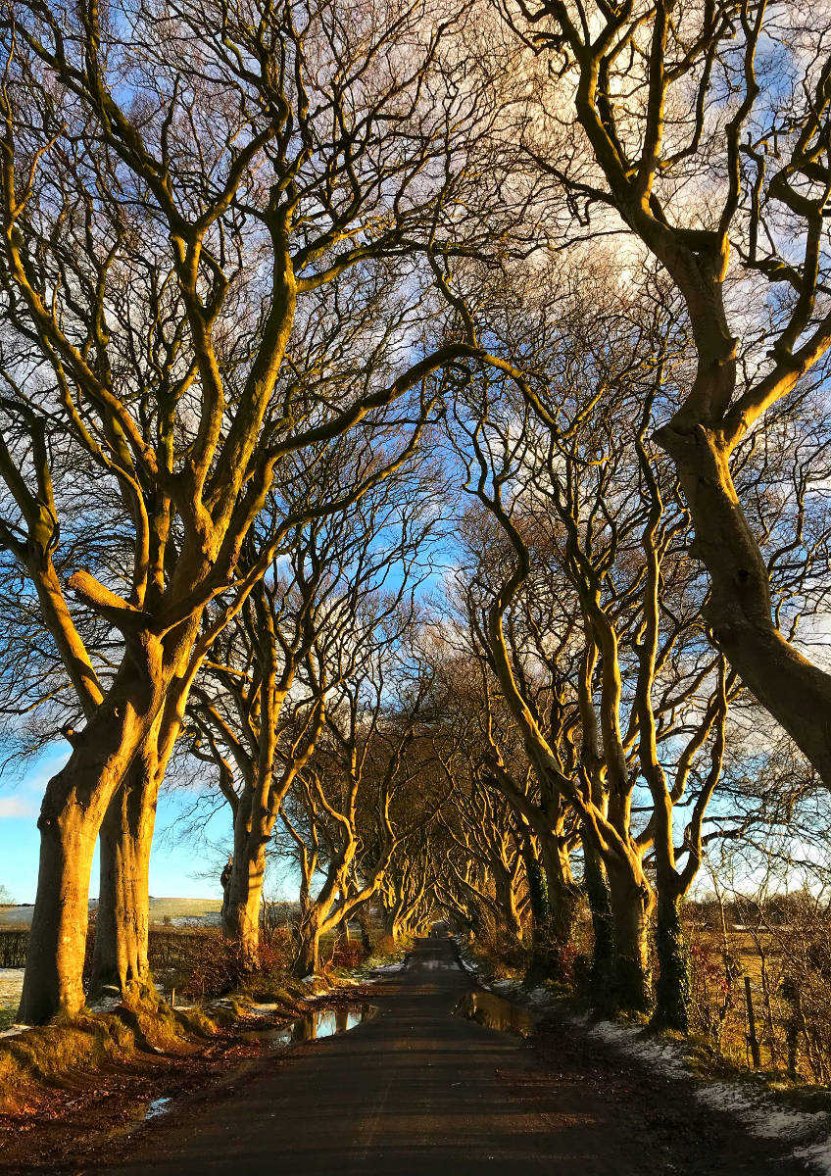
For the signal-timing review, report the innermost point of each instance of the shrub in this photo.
(347, 954)
(13, 944)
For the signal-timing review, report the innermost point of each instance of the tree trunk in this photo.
(553, 897)
(562, 893)
(539, 963)
(630, 903)
(363, 924)
(794, 690)
(506, 897)
(601, 976)
(122, 926)
(392, 920)
(243, 900)
(53, 980)
(308, 959)
(71, 815)
(672, 992)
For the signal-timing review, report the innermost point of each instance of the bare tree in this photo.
(706, 124)
(172, 201)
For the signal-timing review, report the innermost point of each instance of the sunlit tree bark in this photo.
(163, 310)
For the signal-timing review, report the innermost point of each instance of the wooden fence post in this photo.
(753, 1040)
(793, 1023)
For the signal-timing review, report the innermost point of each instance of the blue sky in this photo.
(174, 869)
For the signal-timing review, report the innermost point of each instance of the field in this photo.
(15, 921)
(760, 996)
(11, 983)
(176, 912)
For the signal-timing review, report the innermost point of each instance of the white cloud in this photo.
(16, 806)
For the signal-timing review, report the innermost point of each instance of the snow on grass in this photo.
(759, 1113)
(14, 1030)
(661, 1055)
(756, 1109)
(389, 969)
(817, 1157)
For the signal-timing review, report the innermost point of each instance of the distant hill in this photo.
(177, 911)
(185, 910)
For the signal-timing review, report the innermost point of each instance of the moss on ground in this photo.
(48, 1055)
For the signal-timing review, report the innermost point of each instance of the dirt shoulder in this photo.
(80, 1110)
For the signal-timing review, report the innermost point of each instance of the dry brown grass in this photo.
(789, 969)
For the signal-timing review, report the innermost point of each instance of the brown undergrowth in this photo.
(69, 1088)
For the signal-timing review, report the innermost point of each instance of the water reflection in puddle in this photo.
(495, 1013)
(323, 1022)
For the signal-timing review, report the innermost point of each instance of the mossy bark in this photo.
(554, 898)
(308, 957)
(242, 904)
(673, 989)
(630, 904)
(562, 894)
(601, 975)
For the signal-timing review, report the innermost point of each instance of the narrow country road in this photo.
(417, 1091)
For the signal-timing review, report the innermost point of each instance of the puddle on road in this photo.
(323, 1022)
(495, 1013)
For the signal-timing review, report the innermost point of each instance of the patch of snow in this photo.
(759, 1113)
(390, 969)
(661, 1055)
(159, 1106)
(105, 1004)
(15, 1030)
(817, 1157)
(757, 1110)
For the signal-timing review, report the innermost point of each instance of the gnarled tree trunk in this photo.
(631, 903)
(120, 957)
(72, 812)
(244, 893)
(794, 690)
(601, 976)
(672, 990)
(308, 957)
(561, 893)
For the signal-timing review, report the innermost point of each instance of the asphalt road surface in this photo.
(420, 1091)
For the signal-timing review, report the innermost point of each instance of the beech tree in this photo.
(703, 128)
(177, 185)
(344, 820)
(263, 699)
(594, 676)
(482, 756)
